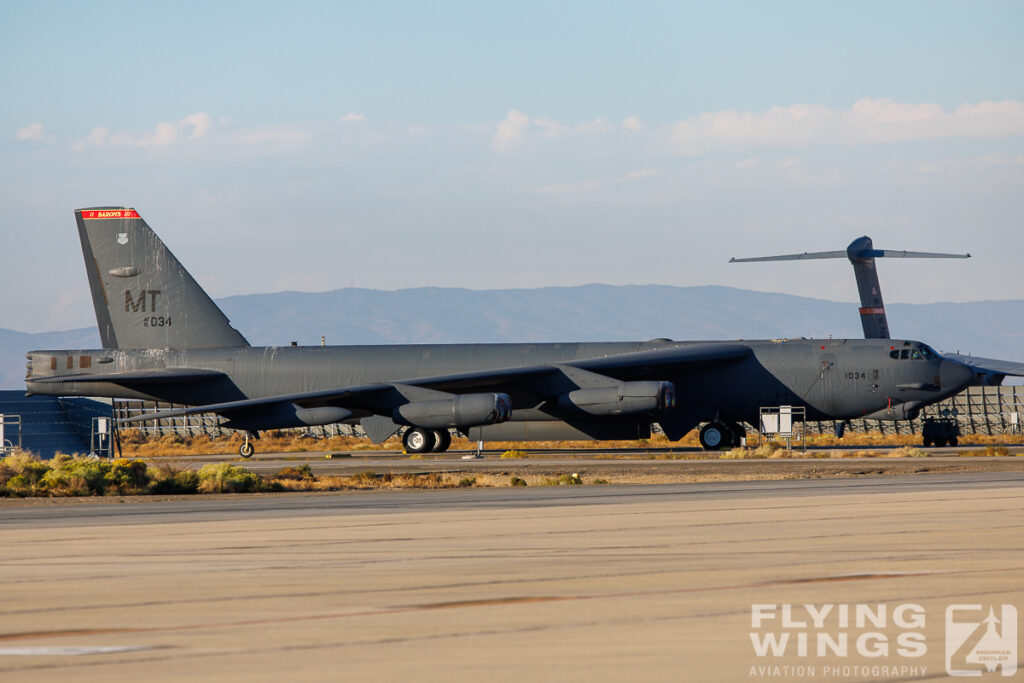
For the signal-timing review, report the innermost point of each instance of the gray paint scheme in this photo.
(198, 359)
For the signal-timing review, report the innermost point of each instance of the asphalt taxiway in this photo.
(595, 583)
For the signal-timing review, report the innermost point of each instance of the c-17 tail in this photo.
(862, 255)
(143, 296)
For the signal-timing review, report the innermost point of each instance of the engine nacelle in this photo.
(462, 411)
(286, 415)
(624, 399)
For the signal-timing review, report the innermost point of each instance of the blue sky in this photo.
(393, 145)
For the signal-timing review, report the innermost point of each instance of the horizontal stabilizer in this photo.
(807, 255)
(892, 253)
(989, 371)
(864, 253)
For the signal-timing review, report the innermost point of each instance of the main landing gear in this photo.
(717, 435)
(418, 440)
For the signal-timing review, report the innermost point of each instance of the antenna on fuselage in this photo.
(862, 255)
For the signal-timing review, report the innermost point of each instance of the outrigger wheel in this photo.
(418, 440)
(246, 449)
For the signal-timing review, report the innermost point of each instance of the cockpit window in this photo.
(917, 353)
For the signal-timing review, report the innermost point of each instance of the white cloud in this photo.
(517, 125)
(352, 116)
(35, 132)
(201, 124)
(867, 121)
(198, 126)
(633, 124)
(511, 129)
(97, 137)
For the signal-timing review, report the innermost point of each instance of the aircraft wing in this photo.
(380, 397)
(989, 371)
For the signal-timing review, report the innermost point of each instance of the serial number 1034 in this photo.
(156, 321)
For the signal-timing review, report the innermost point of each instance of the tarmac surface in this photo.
(566, 583)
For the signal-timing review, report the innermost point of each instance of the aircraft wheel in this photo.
(442, 440)
(927, 443)
(940, 442)
(953, 441)
(418, 440)
(715, 436)
(246, 450)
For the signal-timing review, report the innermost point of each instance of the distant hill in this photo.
(586, 313)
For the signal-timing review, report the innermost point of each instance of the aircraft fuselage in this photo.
(831, 379)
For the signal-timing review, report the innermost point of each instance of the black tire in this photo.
(940, 442)
(953, 441)
(418, 440)
(442, 440)
(246, 449)
(927, 443)
(714, 436)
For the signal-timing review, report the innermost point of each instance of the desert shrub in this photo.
(513, 453)
(600, 482)
(169, 481)
(21, 474)
(127, 476)
(516, 481)
(466, 482)
(75, 477)
(228, 478)
(569, 480)
(303, 471)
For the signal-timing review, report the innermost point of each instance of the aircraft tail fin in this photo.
(862, 255)
(143, 296)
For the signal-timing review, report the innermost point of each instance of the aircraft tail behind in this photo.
(862, 255)
(144, 297)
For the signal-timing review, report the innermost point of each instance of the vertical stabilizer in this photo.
(144, 298)
(872, 308)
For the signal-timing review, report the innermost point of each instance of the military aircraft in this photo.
(165, 340)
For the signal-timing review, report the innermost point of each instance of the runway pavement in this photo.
(577, 583)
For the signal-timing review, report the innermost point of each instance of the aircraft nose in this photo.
(955, 376)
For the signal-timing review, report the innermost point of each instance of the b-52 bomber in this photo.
(165, 340)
